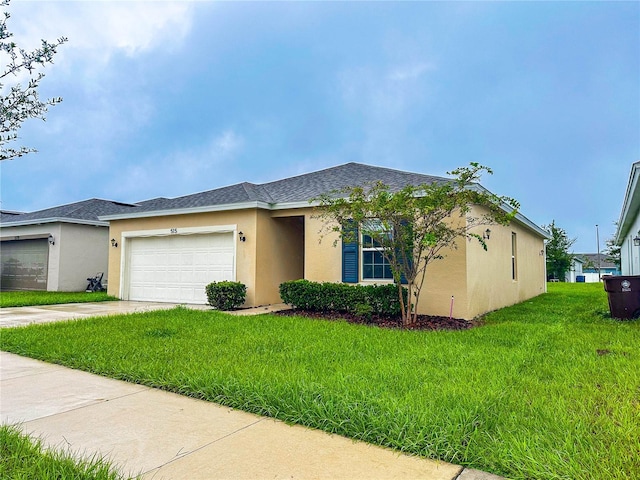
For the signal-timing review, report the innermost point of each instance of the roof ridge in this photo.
(248, 189)
(262, 193)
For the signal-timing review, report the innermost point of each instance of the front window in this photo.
(514, 251)
(374, 265)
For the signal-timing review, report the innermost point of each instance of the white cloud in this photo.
(97, 30)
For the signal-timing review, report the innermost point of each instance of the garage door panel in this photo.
(24, 264)
(178, 268)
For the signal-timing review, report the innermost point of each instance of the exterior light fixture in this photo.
(114, 244)
(486, 234)
(636, 241)
(51, 240)
(241, 237)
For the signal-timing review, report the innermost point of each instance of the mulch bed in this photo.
(425, 322)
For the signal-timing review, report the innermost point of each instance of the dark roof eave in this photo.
(188, 210)
(630, 205)
(40, 221)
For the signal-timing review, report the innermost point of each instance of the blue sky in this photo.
(167, 99)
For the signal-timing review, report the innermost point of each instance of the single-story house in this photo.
(596, 265)
(628, 234)
(55, 249)
(575, 271)
(265, 234)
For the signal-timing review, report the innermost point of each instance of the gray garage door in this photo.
(24, 264)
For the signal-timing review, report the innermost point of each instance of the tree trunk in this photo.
(403, 308)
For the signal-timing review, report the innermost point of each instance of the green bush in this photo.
(364, 310)
(381, 300)
(226, 295)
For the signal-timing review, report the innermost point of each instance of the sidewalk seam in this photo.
(186, 454)
(462, 469)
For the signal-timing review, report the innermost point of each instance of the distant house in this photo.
(628, 234)
(265, 234)
(55, 249)
(592, 263)
(575, 271)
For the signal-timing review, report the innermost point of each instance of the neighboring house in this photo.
(628, 234)
(595, 266)
(55, 249)
(575, 273)
(262, 235)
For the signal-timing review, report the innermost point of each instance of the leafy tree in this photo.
(612, 253)
(558, 257)
(21, 101)
(414, 226)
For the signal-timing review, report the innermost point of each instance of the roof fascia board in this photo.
(630, 204)
(187, 211)
(292, 205)
(41, 221)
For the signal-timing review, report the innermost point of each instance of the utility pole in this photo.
(598, 241)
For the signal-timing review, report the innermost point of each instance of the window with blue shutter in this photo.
(350, 255)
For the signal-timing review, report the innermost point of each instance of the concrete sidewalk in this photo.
(167, 436)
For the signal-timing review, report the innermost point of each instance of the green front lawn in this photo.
(23, 457)
(546, 389)
(32, 298)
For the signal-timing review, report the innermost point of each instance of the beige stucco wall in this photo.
(244, 220)
(322, 261)
(489, 274)
(279, 254)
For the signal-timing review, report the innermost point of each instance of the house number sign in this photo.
(174, 230)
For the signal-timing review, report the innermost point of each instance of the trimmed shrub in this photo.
(381, 300)
(226, 295)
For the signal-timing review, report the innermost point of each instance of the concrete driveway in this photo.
(18, 316)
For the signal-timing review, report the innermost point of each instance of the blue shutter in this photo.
(350, 253)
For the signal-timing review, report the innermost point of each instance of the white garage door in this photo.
(177, 268)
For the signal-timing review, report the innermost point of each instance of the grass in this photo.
(26, 458)
(549, 388)
(31, 298)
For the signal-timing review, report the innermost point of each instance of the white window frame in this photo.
(514, 256)
(372, 248)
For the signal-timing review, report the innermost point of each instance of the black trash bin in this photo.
(624, 295)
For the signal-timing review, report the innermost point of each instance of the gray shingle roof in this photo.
(7, 216)
(592, 259)
(300, 188)
(85, 211)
